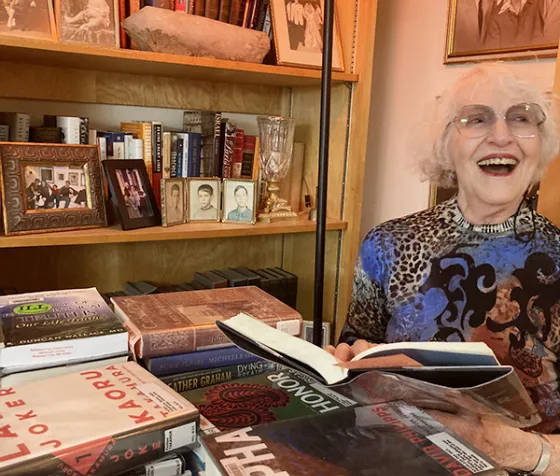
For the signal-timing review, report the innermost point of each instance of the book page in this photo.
(436, 353)
(265, 336)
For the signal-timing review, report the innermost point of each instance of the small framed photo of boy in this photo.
(172, 201)
(204, 199)
(240, 201)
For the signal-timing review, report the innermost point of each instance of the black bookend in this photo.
(252, 278)
(144, 287)
(281, 287)
(234, 278)
(292, 280)
(270, 283)
(211, 280)
(186, 287)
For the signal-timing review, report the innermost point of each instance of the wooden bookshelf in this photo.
(115, 60)
(189, 231)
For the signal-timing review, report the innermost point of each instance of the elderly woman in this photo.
(482, 266)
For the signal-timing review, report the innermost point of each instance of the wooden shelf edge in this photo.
(52, 53)
(189, 231)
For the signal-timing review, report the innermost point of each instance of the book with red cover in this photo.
(97, 422)
(174, 323)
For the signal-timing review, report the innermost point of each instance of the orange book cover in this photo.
(97, 422)
(142, 130)
(173, 323)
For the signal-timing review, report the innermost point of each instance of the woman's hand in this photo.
(345, 352)
(508, 446)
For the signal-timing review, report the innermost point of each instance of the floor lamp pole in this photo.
(328, 21)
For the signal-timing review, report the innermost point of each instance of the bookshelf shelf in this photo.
(51, 53)
(189, 231)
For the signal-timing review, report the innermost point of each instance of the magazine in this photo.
(447, 376)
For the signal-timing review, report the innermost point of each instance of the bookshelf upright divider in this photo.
(107, 258)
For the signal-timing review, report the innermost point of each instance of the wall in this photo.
(409, 72)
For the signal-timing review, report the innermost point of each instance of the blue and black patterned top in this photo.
(434, 276)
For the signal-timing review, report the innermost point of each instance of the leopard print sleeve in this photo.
(368, 316)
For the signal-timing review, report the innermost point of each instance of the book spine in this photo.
(238, 154)
(184, 382)
(216, 156)
(119, 453)
(180, 6)
(203, 338)
(178, 363)
(249, 144)
(224, 8)
(199, 7)
(84, 130)
(194, 157)
(163, 212)
(157, 152)
(19, 127)
(4, 133)
(147, 137)
(229, 151)
(180, 155)
(187, 159)
(70, 127)
(166, 160)
(211, 9)
(173, 156)
(122, 16)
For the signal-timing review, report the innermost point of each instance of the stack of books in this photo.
(175, 337)
(52, 333)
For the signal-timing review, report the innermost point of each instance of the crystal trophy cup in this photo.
(276, 141)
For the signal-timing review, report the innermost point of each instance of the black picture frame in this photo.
(150, 218)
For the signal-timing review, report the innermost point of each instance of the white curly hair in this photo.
(431, 137)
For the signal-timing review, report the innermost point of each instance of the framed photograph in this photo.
(497, 29)
(173, 201)
(298, 34)
(35, 205)
(47, 174)
(94, 22)
(240, 201)
(28, 19)
(325, 332)
(204, 199)
(132, 193)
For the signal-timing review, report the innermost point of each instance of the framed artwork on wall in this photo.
(298, 33)
(480, 30)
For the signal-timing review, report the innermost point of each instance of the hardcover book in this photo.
(174, 323)
(208, 377)
(201, 359)
(379, 440)
(273, 396)
(97, 422)
(53, 328)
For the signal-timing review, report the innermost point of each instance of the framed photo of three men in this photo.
(502, 29)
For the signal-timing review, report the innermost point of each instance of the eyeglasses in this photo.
(477, 120)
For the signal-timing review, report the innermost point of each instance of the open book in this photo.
(447, 375)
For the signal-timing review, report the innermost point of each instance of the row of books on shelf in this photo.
(114, 418)
(210, 171)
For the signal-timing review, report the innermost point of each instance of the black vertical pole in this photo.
(323, 170)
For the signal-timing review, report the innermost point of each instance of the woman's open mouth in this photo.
(498, 166)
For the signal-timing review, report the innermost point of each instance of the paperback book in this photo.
(49, 329)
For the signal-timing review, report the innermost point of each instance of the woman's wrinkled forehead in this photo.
(498, 92)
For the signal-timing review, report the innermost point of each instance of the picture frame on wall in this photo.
(33, 204)
(497, 30)
(35, 21)
(132, 193)
(93, 22)
(298, 34)
(204, 199)
(173, 201)
(239, 201)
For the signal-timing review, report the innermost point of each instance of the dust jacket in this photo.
(97, 422)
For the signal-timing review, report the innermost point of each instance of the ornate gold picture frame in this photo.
(36, 190)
